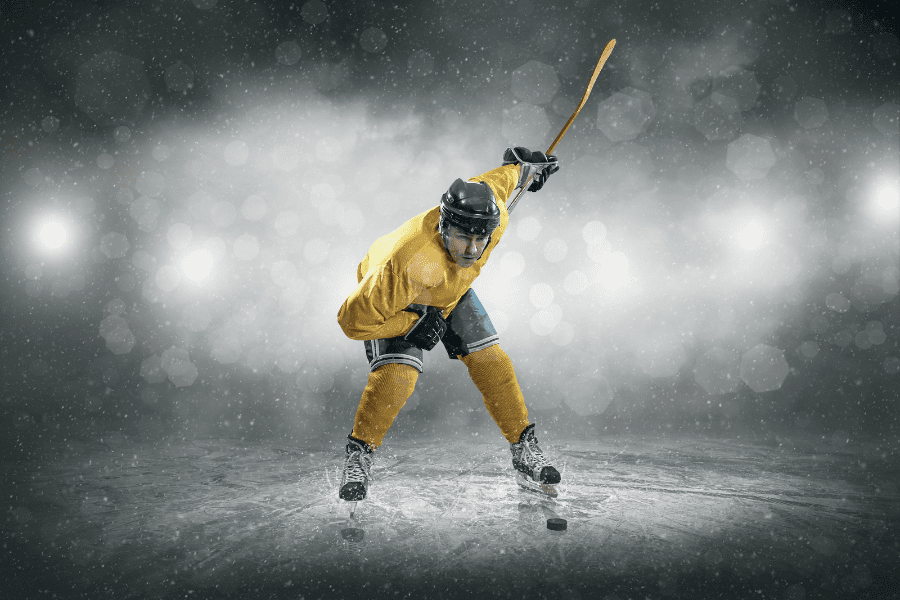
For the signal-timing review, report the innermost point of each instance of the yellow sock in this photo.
(386, 393)
(493, 374)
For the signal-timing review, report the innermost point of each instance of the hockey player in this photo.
(414, 291)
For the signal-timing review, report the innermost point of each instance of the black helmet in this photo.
(470, 207)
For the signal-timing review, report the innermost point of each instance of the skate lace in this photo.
(357, 468)
(532, 448)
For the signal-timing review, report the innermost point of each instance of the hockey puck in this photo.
(557, 524)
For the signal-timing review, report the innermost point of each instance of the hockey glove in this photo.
(535, 164)
(429, 329)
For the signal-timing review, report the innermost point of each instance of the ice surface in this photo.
(764, 368)
(261, 518)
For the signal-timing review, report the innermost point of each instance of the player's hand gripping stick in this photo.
(429, 329)
(587, 92)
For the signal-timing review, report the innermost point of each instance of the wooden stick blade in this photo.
(587, 92)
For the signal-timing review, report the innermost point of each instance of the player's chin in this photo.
(466, 262)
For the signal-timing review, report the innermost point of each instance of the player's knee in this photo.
(397, 375)
(492, 355)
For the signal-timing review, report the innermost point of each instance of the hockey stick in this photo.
(606, 52)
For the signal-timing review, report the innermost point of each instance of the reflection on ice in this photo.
(227, 517)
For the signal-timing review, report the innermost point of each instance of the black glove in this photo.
(540, 164)
(540, 178)
(429, 329)
(524, 155)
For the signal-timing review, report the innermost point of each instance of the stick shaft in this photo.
(587, 92)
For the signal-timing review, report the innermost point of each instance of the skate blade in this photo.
(546, 489)
(353, 506)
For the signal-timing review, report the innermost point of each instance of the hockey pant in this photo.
(390, 385)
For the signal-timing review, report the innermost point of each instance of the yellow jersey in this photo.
(411, 266)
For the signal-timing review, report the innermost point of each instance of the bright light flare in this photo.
(751, 236)
(887, 198)
(197, 265)
(52, 235)
(614, 271)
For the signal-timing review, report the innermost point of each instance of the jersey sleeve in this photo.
(374, 310)
(502, 181)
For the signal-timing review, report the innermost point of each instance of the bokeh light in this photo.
(197, 265)
(887, 199)
(191, 187)
(708, 202)
(52, 234)
(751, 235)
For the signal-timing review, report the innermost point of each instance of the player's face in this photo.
(465, 248)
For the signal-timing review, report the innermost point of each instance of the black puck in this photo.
(353, 534)
(557, 524)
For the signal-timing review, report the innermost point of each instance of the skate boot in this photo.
(355, 481)
(533, 471)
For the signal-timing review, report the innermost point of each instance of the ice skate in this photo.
(533, 471)
(356, 478)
